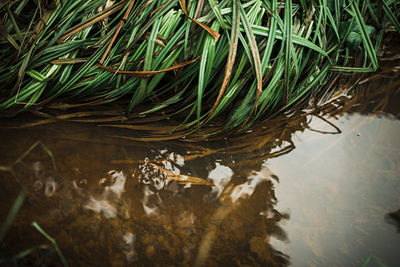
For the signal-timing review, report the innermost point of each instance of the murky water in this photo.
(315, 189)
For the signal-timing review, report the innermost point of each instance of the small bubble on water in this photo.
(38, 185)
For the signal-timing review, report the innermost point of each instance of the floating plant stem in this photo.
(53, 241)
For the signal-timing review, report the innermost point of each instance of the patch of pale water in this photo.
(338, 190)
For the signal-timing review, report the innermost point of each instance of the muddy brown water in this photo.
(317, 189)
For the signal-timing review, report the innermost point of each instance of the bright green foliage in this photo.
(271, 56)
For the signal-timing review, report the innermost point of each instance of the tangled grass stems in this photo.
(241, 59)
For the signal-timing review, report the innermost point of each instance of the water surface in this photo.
(313, 188)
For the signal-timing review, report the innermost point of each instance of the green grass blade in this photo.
(53, 241)
(392, 17)
(254, 51)
(12, 214)
(365, 37)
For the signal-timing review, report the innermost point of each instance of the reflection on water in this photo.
(158, 210)
(338, 189)
(394, 218)
(316, 188)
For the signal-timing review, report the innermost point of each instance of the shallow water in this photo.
(314, 189)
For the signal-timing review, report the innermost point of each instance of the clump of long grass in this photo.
(243, 59)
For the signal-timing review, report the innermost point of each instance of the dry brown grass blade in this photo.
(68, 106)
(230, 62)
(68, 61)
(159, 39)
(145, 74)
(164, 171)
(33, 124)
(112, 119)
(258, 92)
(88, 114)
(182, 179)
(123, 20)
(161, 129)
(158, 8)
(201, 154)
(65, 117)
(213, 33)
(91, 21)
(199, 9)
(39, 27)
(135, 118)
(150, 139)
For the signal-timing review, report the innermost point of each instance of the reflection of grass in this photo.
(6, 225)
(11, 215)
(371, 259)
(14, 211)
(26, 153)
(53, 241)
